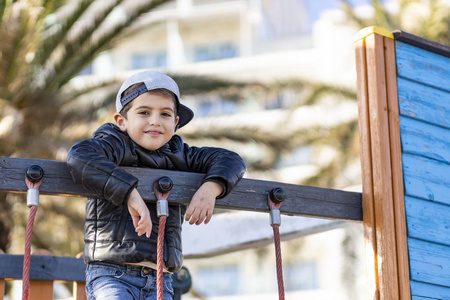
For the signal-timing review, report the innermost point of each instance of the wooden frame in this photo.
(44, 270)
(249, 194)
(383, 199)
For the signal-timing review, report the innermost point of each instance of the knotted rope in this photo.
(274, 199)
(33, 180)
(161, 188)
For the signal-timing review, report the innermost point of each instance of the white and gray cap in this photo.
(153, 80)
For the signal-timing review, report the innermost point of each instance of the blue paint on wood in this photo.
(426, 178)
(422, 66)
(429, 263)
(425, 140)
(420, 290)
(423, 103)
(428, 221)
(423, 84)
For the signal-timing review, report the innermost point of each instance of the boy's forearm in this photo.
(96, 173)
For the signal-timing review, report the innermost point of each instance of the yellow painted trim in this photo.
(370, 30)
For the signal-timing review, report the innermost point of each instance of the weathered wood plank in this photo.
(422, 43)
(43, 267)
(430, 263)
(425, 140)
(366, 169)
(426, 178)
(428, 221)
(248, 195)
(381, 164)
(422, 66)
(420, 290)
(397, 170)
(423, 103)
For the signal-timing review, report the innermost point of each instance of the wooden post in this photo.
(79, 290)
(41, 289)
(2, 288)
(383, 199)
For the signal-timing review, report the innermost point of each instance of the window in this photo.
(301, 276)
(214, 52)
(217, 281)
(216, 107)
(148, 60)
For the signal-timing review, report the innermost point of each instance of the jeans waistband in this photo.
(129, 269)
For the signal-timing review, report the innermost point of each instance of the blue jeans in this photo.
(107, 281)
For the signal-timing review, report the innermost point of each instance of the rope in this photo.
(276, 236)
(161, 188)
(160, 254)
(27, 255)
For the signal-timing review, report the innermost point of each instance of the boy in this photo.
(121, 229)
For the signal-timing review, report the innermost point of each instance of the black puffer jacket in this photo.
(109, 231)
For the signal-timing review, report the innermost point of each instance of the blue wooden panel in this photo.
(428, 220)
(425, 140)
(426, 178)
(420, 290)
(424, 103)
(423, 66)
(429, 263)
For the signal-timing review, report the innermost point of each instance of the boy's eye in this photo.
(166, 114)
(143, 112)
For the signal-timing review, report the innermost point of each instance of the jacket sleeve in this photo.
(219, 165)
(94, 164)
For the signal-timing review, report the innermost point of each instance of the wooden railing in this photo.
(44, 271)
(250, 195)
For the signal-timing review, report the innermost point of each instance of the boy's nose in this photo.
(155, 120)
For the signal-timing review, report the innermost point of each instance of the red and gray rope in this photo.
(275, 223)
(160, 254)
(161, 188)
(33, 193)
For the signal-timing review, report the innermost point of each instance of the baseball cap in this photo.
(153, 80)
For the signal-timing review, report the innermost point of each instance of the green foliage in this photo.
(428, 19)
(44, 44)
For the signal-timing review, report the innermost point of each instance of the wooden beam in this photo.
(370, 240)
(397, 170)
(384, 215)
(249, 194)
(381, 164)
(43, 267)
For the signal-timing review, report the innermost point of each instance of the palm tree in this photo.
(43, 45)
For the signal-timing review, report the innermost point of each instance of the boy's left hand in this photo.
(202, 204)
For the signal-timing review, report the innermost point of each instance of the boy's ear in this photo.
(120, 121)
(176, 123)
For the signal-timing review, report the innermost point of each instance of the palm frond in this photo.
(13, 74)
(77, 43)
(54, 32)
(102, 42)
(352, 16)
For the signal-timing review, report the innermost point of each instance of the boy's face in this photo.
(150, 122)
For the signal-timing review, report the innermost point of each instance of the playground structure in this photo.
(403, 85)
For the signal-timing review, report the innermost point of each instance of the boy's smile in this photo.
(151, 120)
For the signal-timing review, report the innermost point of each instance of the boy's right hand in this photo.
(140, 214)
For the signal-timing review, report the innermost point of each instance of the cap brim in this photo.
(185, 114)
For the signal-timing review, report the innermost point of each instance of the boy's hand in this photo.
(140, 214)
(202, 204)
